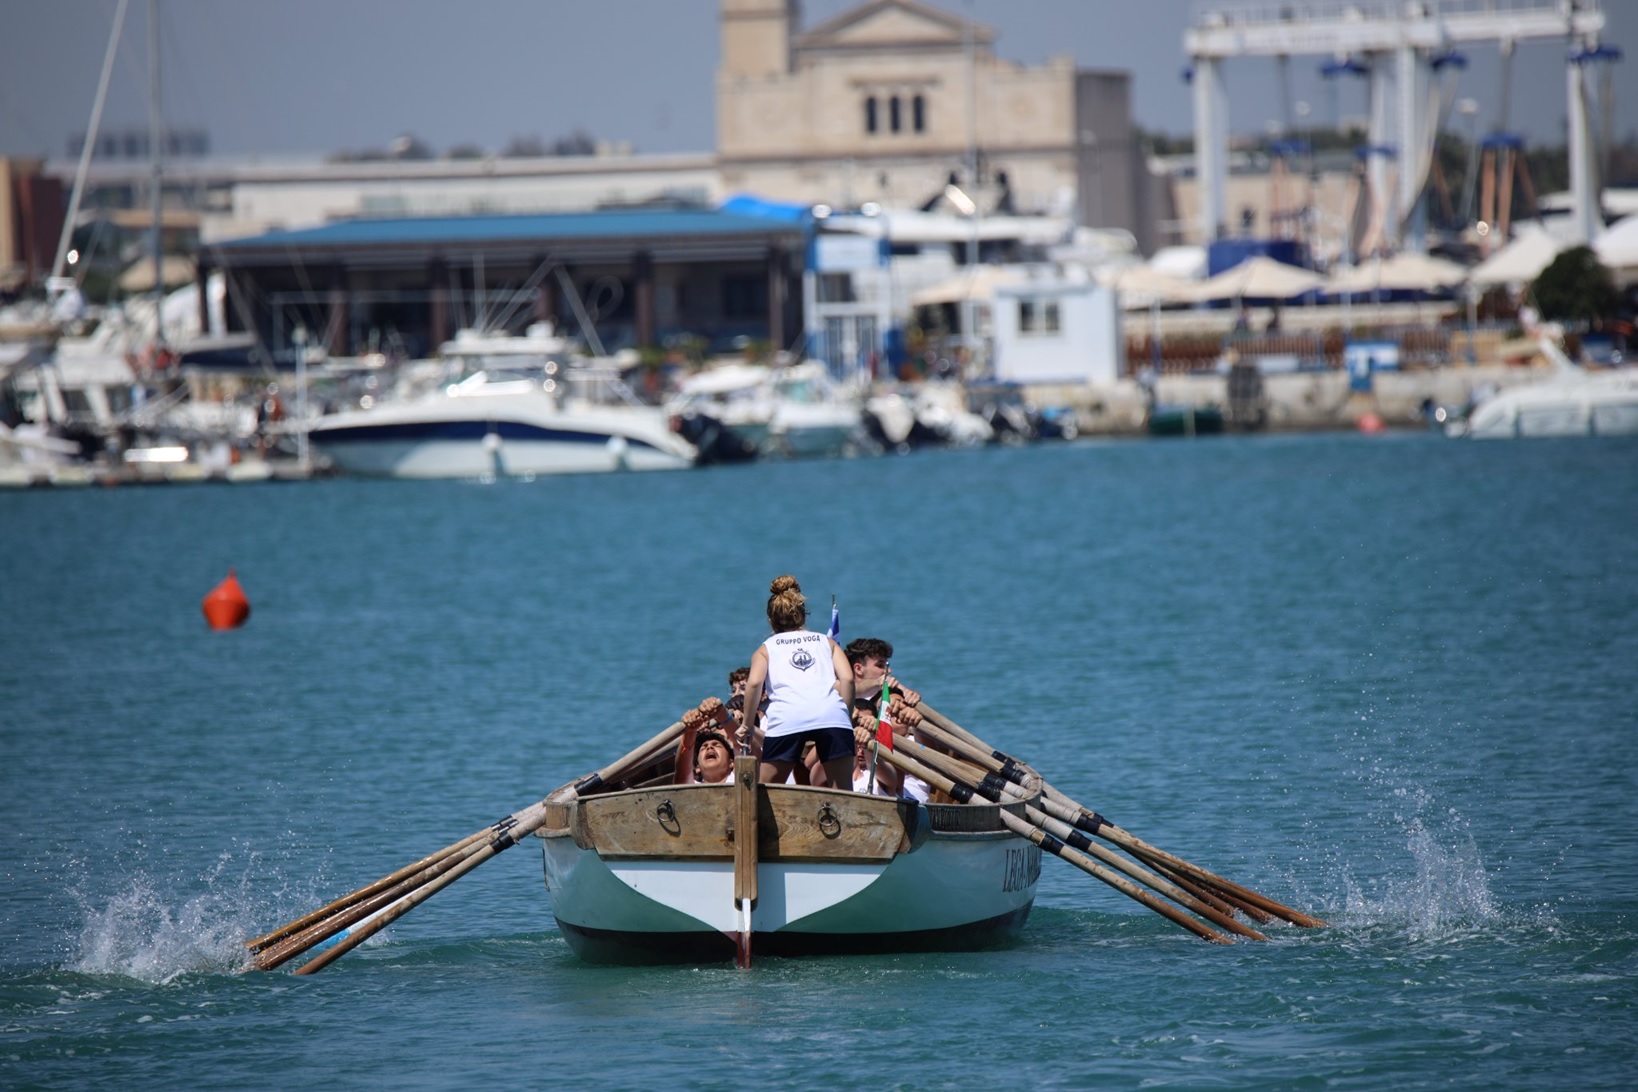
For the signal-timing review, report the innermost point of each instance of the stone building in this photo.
(893, 99)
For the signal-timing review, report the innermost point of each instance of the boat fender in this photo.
(225, 605)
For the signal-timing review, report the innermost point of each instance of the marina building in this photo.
(894, 100)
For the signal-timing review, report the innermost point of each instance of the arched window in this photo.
(870, 113)
(893, 121)
(918, 113)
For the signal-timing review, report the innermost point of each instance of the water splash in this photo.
(150, 933)
(1445, 890)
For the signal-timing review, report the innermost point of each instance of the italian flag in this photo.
(884, 726)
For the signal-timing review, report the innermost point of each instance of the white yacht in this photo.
(796, 410)
(510, 406)
(1576, 401)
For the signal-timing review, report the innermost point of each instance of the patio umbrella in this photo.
(977, 283)
(1617, 247)
(1520, 261)
(1143, 286)
(1257, 278)
(1404, 272)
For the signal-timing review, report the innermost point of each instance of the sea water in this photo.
(1388, 680)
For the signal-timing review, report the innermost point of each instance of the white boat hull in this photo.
(1575, 402)
(497, 436)
(949, 891)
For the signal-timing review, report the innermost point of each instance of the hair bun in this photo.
(783, 584)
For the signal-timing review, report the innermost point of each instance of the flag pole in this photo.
(881, 718)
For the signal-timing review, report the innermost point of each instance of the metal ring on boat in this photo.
(830, 824)
(667, 815)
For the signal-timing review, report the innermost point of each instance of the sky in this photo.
(304, 77)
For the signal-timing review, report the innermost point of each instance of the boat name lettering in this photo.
(1023, 868)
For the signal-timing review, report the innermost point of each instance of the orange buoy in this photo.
(225, 605)
(1371, 423)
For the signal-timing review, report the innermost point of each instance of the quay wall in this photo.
(1294, 401)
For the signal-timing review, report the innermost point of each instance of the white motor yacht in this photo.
(507, 409)
(796, 410)
(1576, 401)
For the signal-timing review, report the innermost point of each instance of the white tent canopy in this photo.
(1258, 277)
(1404, 272)
(974, 283)
(1617, 247)
(1143, 286)
(1520, 261)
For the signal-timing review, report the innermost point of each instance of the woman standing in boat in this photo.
(809, 686)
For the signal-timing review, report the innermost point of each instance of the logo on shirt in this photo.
(802, 659)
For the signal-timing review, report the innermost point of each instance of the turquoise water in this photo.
(1389, 680)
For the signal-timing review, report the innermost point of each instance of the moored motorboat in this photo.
(504, 414)
(795, 410)
(1574, 401)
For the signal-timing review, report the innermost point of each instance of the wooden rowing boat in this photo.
(645, 871)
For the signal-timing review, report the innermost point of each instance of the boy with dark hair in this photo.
(871, 658)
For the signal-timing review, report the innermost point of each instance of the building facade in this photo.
(892, 100)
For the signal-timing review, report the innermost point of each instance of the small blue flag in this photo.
(835, 630)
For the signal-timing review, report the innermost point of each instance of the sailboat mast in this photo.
(58, 266)
(156, 138)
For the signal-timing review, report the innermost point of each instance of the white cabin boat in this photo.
(1576, 401)
(508, 408)
(796, 410)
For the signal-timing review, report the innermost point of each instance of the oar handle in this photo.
(594, 781)
(958, 792)
(988, 785)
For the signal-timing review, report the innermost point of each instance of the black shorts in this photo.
(832, 743)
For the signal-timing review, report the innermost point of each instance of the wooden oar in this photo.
(1001, 792)
(985, 784)
(1199, 892)
(319, 931)
(964, 794)
(266, 940)
(745, 837)
(401, 891)
(1073, 838)
(1093, 823)
(410, 901)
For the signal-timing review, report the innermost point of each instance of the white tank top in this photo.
(801, 685)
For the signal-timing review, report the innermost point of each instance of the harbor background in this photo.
(1387, 679)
